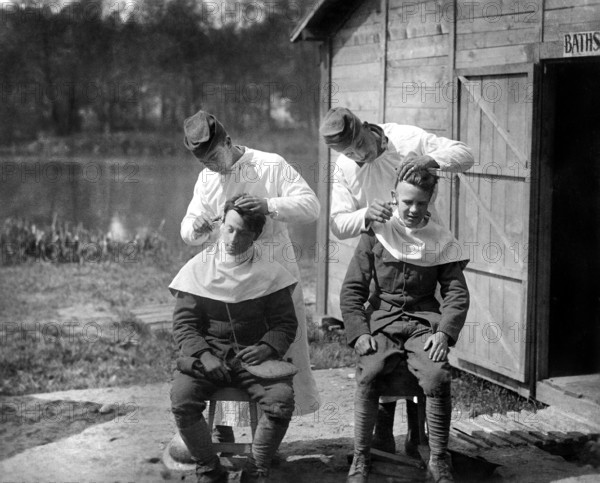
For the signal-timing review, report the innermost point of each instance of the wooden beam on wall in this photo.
(453, 109)
(383, 40)
(323, 185)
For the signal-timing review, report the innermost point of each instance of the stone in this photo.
(178, 450)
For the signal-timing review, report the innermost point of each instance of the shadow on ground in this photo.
(27, 422)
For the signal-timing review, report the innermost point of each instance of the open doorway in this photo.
(574, 333)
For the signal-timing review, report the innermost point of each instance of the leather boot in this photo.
(359, 469)
(365, 414)
(383, 439)
(439, 414)
(251, 473)
(198, 441)
(269, 434)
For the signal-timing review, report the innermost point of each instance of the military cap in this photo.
(340, 128)
(202, 133)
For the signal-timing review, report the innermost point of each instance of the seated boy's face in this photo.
(235, 235)
(412, 203)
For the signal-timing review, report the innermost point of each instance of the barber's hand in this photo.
(412, 162)
(253, 203)
(378, 210)
(255, 354)
(437, 345)
(365, 344)
(204, 224)
(215, 368)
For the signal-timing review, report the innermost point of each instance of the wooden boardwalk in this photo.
(550, 429)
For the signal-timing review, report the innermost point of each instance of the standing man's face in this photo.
(220, 159)
(364, 148)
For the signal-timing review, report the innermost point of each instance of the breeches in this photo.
(275, 397)
(402, 339)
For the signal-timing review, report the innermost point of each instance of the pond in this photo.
(123, 196)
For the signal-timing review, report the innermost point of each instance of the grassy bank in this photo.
(69, 326)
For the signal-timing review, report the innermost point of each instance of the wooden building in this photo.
(518, 81)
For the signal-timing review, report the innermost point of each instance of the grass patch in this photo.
(328, 349)
(33, 362)
(39, 291)
(69, 326)
(473, 396)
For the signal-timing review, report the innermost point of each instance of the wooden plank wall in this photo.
(417, 66)
(419, 88)
(497, 33)
(561, 16)
(355, 71)
(497, 273)
(355, 77)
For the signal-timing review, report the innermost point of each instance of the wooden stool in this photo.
(407, 387)
(232, 394)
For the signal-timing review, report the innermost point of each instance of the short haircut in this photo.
(421, 178)
(253, 220)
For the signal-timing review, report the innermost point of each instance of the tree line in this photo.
(87, 67)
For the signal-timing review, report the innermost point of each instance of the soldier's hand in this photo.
(365, 344)
(215, 368)
(198, 368)
(255, 354)
(378, 210)
(413, 162)
(253, 203)
(437, 345)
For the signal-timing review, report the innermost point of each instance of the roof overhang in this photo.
(323, 19)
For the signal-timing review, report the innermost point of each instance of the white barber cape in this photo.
(231, 279)
(290, 200)
(425, 246)
(355, 187)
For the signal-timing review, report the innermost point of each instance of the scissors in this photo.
(214, 221)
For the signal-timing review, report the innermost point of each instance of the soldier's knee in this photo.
(279, 402)
(437, 382)
(186, 405)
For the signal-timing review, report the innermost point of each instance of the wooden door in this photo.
(491, 216)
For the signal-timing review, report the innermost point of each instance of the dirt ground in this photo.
(69, 436)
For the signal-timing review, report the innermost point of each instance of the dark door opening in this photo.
(574, 343)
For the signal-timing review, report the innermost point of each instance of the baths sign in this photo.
(581, 43)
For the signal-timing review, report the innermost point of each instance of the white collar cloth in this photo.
(425, 246)
(216, 275)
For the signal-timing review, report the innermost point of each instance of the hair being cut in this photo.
(253, 220)
(421, 178)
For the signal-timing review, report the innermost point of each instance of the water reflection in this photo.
(124, 196)
(117, 195)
